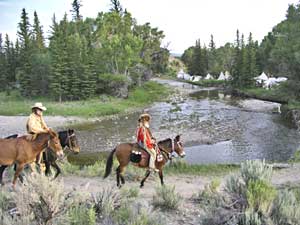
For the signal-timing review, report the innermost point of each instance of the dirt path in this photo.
(186, 186)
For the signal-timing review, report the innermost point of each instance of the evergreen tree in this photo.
(76, 5)
(24, 34)
(38, 38)
(3, 66)
(116, 6)
(212, 45)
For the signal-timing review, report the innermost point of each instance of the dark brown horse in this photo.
(123, 152)
(23, 151)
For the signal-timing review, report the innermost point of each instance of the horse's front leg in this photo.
(161, 176)
(145, 178)
(2, 168)
(17, 173)
(58, 171)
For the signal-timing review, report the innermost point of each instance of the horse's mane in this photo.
(165, 141)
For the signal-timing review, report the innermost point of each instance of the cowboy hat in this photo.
(145, 116)
(39, 105)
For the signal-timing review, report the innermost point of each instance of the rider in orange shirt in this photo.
(146, 140)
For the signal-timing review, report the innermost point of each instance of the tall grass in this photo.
(151, 91)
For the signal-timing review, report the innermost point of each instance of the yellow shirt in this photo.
(36, 124)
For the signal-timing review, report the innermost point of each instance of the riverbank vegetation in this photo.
(277, 55)
(83, 58)
(103, 105)
(246, 197)
(249, 198)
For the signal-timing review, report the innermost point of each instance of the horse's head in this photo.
(72, 141)
(178, 147)
(54, 143)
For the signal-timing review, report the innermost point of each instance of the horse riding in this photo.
(126, 153)
(66, 138)
(22, 151)
(36, 125)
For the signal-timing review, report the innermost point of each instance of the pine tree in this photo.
(58, 78)
(252, 60)
(212, 45)
(38, 38)
(3, 66)
(237, 64)
(76, 5)
(24, 34)
(116, 6)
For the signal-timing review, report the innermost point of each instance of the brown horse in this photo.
(124, 150)
(23, 151)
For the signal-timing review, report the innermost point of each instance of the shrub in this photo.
(81, 215)
(256, 170)
(113, 84)
(106, 201)
(286, 209)
(166, 198)
(136, 215)
(251, 217)
(260, 196)
(131, 192)
(41, 199)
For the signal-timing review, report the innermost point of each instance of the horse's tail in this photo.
(109, 163)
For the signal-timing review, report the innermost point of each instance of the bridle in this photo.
(168, 155)
(68, 141)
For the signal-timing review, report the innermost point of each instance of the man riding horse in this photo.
(146, 140)
(36, 125)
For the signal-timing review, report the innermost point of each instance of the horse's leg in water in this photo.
(19, 169)
(58, 171)
(2, 168)
(161, 176)
(145, 178)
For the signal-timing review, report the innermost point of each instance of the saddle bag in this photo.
(135, 156)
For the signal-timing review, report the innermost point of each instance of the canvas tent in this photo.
(222, 76)
(208, 77)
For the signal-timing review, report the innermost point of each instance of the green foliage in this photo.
(113, 84)
(260, 196)
(249, 199)
(81, 215)
(166, 198)
(80, 51)
(182, 167)
(138, 97)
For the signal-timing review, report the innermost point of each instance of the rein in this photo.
(167, 154)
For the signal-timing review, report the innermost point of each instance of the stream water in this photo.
(215, 127)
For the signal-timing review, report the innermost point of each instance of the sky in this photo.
(183, 21)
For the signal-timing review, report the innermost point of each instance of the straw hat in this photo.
(39, 105)
(145, 117)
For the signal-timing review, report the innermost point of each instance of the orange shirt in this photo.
(144, 136)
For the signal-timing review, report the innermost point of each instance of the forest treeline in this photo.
(82, 57)
(278, 54)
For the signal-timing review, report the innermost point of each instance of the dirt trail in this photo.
(187, 186)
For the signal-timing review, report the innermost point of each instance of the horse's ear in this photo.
(52, 133)
(177, 138)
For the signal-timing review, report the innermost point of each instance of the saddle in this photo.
(139, 153)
